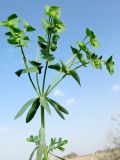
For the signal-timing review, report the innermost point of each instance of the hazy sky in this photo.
(90, 106)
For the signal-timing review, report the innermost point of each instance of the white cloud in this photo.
(70, 101)
(58, 93)
(116, 87)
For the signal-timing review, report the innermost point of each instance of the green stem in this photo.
(80, 66)
(56, 84)
(57, 75)
(26, 65)
(44, 78)
(38, 83)
(42, 117)
(43, 85)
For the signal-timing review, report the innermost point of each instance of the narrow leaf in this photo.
(19, 72)
(28, 27)
(32, 110)
(24, 108)
(13, 16)
(64, 67)
(74, 50)
(34, 63)
(110, 65)
(74, 74)
(55, 107)
(44, 103)
(55, 66)
(61, 108)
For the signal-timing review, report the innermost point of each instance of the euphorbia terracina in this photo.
(82, 56)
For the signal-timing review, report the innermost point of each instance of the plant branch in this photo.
(26, 65)
(57, 75)
(38, 83)
(56, 84)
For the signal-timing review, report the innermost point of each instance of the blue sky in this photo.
(90, 106)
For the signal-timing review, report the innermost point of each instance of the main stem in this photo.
(44, 78)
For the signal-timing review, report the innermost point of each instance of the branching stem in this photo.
(26, 65)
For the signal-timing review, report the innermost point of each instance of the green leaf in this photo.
(15, 30)
(24, 108)
(55, 66)
(24, 40)
(88, 32)
(13, 41)
(13, 16)
(4, 23)
(34, 63)
(55, 107)
(74, 74)
(65, 68)
(28, 70)
(47, 56)
(41, 146)
(19, 72)
(41, 39)
(55, 38)
(28, 28)
(45, 23)
(61, 108)
(59, 25)
(53, 47)
(96, 62)
(8, 34)
(74, 50)
(64, 142)
(52, 11)
(110, 65)
(61, 149)
(44, 103)
(95, 43)
(14, 22)
(42, 45)
(33, 110)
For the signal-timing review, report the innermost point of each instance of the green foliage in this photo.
(75, 75)
(44, 103)
(24, 108)
(52, 11)
(33, 139)
(46, 58)
(15, 35)
(58, 108)
(33, 110)
(36, 68)
(110, 65)
(92, 37)
(57, 144)
(28, 28)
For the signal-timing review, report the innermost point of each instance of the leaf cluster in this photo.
(52, 26)
(57, 144)
(16, 36)
(41, 102)
(36, 68)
